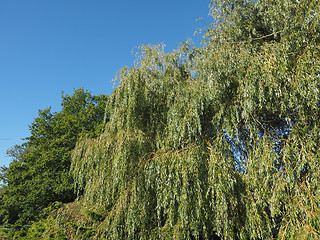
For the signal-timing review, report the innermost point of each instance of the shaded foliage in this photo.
(39, 172)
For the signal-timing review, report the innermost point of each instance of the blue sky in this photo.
(51, 46)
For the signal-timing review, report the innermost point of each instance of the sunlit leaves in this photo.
(216, 140)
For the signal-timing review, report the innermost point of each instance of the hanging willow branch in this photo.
(221, 144)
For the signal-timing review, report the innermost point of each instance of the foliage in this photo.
(4, 232)
(220, 140)
(71, 221)
(39, 173)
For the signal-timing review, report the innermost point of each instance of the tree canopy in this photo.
(219, 140)
(39, 173)
(212, 142)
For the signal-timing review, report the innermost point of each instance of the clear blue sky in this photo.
(51, 46)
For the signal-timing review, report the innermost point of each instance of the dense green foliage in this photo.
(217, 140)
(39, 173)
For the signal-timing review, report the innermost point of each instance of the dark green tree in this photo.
(39, 172)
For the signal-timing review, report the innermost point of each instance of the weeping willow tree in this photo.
(217, 141)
